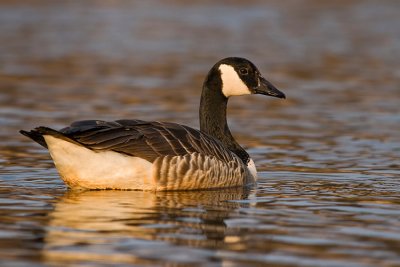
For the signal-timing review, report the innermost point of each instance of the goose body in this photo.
(143, 155)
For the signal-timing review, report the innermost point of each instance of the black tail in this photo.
(37, 135)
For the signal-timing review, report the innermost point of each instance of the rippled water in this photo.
(328, 156)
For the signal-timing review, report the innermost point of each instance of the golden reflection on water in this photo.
(306, 219)
(95, 218)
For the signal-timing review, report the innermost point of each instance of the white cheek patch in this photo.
(231, 82)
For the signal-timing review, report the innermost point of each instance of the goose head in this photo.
(239, 76)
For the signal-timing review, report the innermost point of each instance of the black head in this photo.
(241, 77)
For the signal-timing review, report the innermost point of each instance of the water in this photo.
(328, 156)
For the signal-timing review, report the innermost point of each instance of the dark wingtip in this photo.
(35, 136)
(38, 133)
(42, 130)
(24, 132)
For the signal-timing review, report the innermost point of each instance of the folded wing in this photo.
(148, 140)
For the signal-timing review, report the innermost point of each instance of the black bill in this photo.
(266, 88)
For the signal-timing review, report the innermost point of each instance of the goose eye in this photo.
(243, 71)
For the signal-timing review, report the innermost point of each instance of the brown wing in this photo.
(148, 140)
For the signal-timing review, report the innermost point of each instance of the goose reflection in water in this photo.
(123, 226)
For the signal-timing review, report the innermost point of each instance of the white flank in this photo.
(80, 167)
(231, 82)
(252, 169)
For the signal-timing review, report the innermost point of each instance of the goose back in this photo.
(144, 139)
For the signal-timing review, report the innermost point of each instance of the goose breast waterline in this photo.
(143, 155)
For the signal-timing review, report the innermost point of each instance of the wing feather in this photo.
(148, 140)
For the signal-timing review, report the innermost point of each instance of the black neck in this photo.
(213, 114)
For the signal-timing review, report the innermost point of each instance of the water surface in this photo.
(328, 156)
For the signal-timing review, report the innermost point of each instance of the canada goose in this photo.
(142, 155)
